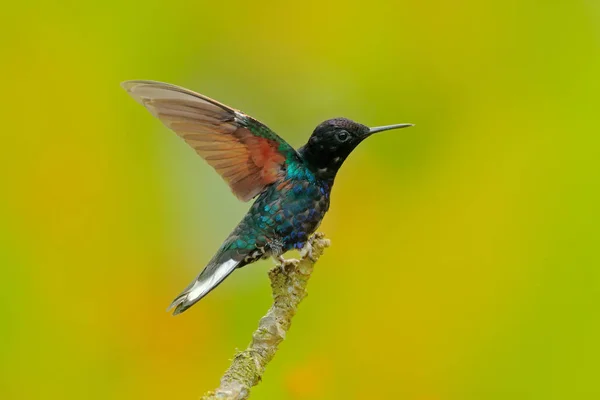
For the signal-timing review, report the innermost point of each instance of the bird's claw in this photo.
(307, 250)
(287, 264)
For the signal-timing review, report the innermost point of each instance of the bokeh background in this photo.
(465, 258)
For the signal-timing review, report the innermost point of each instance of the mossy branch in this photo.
(288, 282)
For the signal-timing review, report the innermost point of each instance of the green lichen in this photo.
(288, 282)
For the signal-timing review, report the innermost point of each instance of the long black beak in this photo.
(388, 127)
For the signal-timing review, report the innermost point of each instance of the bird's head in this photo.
(333, 140)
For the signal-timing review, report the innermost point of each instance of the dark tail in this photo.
(218, 269)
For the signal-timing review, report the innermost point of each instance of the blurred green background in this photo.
(465, 258)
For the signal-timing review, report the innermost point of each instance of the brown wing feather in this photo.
(246, 161)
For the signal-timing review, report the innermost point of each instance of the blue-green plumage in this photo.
(292, 188)
(283, 216)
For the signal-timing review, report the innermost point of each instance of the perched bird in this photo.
(293, 186)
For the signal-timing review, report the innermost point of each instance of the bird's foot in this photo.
(287, 264)
(307, 249)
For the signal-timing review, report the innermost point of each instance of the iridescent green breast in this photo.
(285, 215)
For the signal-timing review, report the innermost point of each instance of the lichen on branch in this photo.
(288, 283)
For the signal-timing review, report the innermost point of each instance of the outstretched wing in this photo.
(246, 153)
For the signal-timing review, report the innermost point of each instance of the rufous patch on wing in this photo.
(265, 155)
(243, 151)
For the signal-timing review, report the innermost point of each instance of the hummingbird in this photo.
(292, 187)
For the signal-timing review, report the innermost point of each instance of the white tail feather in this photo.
(204, 283)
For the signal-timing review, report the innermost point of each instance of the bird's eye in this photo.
(342, 136)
